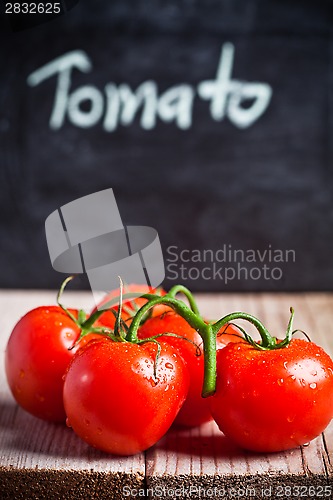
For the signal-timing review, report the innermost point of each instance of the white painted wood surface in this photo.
(49, 460)
(203, 460)
(41, 460)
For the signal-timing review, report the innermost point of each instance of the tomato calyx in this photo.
(209, 331)
(155, 338)
(120, 331)
(267, 342)
(121, 328)
(194, 319)
(86, 325)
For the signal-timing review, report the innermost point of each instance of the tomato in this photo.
(130, 306)
(113, 400)
(36, 359)
(273, 400)
(195, 410)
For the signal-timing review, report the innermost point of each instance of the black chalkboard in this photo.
(210, 119)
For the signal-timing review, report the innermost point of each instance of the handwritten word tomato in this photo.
(36, 358)
(113, 398)
(275, 399)
(195, 410)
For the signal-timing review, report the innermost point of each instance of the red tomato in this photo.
(130, 306)
(195, 410)
(113, 400)
(273, 400)
(36, 359)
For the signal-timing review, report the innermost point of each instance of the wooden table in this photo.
(40, 460)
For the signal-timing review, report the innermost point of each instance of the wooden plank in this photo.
(203, 461)
(43, 460)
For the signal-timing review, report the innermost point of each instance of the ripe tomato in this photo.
(113, 400)
(36, 359)
(273, 400)
(195, 410)
(130, 306)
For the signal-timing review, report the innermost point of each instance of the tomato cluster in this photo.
(141, 362)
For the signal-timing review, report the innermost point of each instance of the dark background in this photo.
(201, 188)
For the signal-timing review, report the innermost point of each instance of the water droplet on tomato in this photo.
(330, 370)
(22, 373)
(290, 418)
(166, 388)
(306, 444)
(152, 382)
(313, 385)
(314, 373)
(280, 381)
(303, 383)
(169, 365)
(293, 377)
(285, 364)
(68, 422)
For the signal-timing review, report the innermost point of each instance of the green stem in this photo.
(289, 332)
(108, 305)
(205, 331)
(290, 326)
(267, 341)
(193, 319)
(185, 291)
(81, 318)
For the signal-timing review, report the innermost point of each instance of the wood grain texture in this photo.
(203, 460)
(43, 460)
(39, 460)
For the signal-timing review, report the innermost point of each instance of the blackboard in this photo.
(227, 155)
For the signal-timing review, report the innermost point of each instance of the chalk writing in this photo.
(243, 103)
